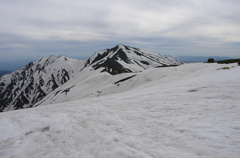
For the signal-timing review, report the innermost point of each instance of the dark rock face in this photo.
(122, 59)
(111, 66)
(24, 87)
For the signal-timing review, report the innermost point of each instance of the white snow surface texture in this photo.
(188, 111)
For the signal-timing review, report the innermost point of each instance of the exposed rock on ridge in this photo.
(122, 59)
(28, 85)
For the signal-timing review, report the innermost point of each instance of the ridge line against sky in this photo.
(77, 28)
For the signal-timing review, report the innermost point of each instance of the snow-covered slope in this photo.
(189, 111)
(104, 72)
(121, 58)
(26, 86)
(94, 83)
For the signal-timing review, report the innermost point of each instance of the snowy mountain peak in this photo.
(121, 58)
(46, 76)
(120, 46)
(28, 85)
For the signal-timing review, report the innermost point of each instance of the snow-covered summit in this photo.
(121, 58)
(26, 86)
(42, 80)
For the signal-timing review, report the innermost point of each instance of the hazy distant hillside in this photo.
(14, 65)
(2, 72)
(195, 59)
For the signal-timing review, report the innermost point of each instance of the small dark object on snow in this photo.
(210, 60)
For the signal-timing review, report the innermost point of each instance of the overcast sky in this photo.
(78, 28)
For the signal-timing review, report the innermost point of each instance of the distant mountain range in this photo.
(11, 66)
(195, 59)
(40, 82)
(3, 72)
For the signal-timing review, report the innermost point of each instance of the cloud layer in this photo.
(78, 28)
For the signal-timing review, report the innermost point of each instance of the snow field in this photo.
(188, 111)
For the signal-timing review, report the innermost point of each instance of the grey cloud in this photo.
(70, 27)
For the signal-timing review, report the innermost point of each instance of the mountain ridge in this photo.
(195, 59)
(104, 72)
(122, 59)
(43, 78)
(26, 86)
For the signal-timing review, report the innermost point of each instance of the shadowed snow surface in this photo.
(188, 111)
